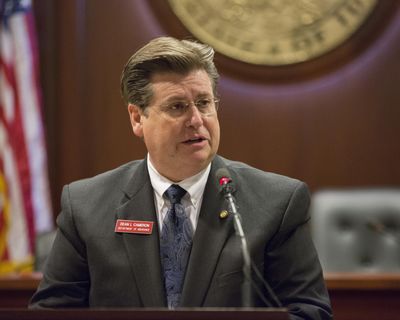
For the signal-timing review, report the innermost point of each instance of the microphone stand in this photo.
(227, 189)
(247, 300)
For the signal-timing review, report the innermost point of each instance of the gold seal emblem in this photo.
(273, 32)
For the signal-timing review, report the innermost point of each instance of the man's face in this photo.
(182, 146)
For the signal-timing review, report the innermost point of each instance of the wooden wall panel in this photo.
(333, 122)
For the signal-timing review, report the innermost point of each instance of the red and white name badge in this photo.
(134, 226)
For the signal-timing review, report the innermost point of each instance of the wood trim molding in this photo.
(363, 281)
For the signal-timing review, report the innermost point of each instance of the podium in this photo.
(147, 314)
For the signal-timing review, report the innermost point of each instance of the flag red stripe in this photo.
(22, 147)
(15, 133)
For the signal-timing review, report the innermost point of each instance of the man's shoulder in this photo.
(114, 178)
(267, 188)
(252, 175)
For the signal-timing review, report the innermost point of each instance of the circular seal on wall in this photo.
(273, 32)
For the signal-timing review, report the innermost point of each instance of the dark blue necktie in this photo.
(175, 245)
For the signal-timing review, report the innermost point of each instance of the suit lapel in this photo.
(209, 239)
(143, 250)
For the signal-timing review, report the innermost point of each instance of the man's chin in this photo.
(199, 162)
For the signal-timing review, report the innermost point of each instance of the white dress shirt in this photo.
(191, 201)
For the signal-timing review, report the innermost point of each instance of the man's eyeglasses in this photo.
(207, 107)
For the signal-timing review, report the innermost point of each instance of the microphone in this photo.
(225, 181)
(376, 226)
(380, 228)
(227, 188)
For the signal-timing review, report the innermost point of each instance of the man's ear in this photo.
(136, 116)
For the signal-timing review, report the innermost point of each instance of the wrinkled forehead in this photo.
(178, 75)
(170, 83)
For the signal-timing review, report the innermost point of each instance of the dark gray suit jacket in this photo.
(92, 266)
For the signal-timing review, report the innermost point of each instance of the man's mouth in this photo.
(194, 140)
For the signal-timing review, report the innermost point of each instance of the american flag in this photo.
(25, 208)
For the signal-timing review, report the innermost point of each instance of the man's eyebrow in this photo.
(178, 97)
(174, 98)
(204, 95)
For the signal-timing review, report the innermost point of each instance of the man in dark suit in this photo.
(150, 233)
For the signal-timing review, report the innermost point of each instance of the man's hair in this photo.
(164, 54)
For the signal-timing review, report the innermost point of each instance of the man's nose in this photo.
(195, 119)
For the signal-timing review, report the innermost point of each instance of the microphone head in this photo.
(223, 176)
(225, 181)
(376, 226)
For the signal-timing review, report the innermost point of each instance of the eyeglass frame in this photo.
(167, 109)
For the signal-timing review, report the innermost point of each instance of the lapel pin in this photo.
(223, 214)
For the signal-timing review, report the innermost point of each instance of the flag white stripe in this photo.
(33, 129)
(18, 236)
(24, 113)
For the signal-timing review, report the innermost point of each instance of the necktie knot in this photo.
(175, 193)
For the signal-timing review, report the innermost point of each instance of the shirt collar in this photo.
(193, 185)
